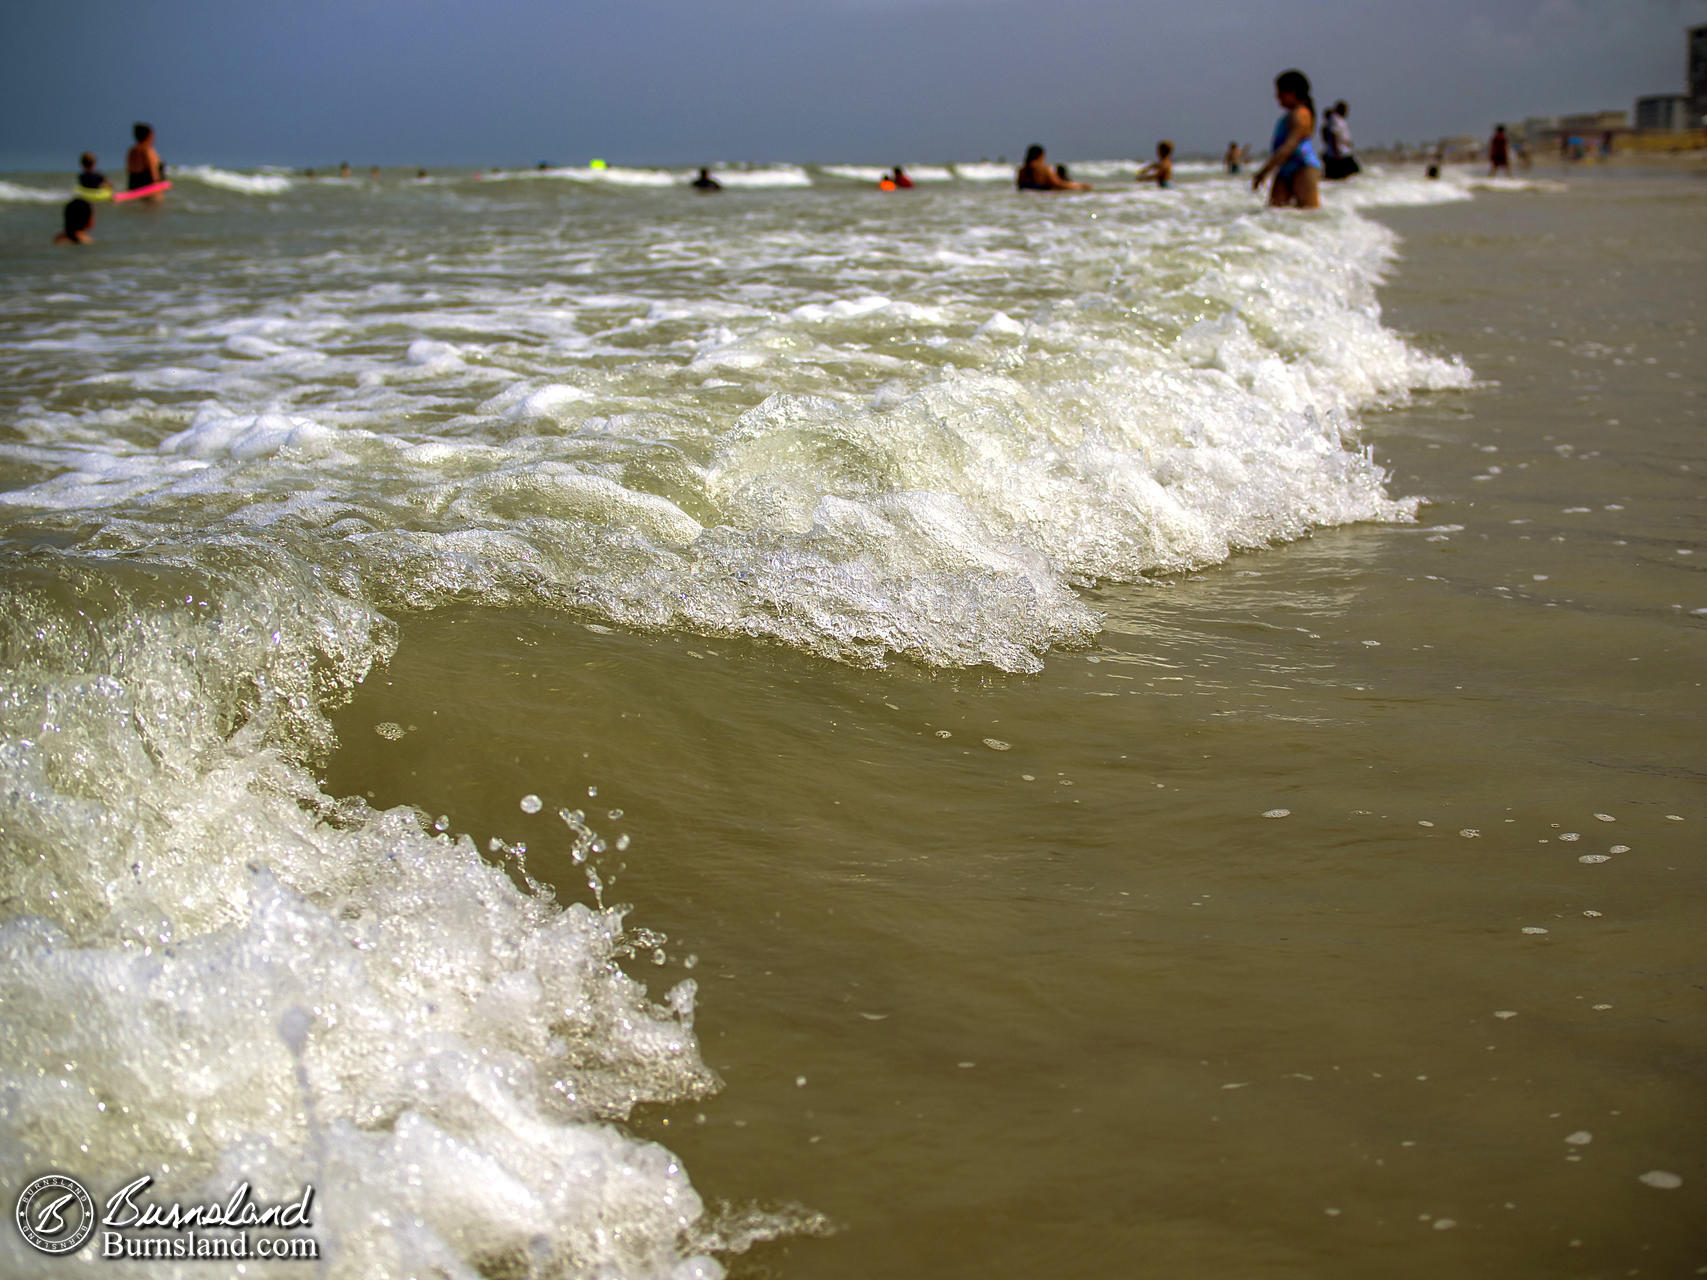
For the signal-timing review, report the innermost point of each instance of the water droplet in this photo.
(1277, 813)
(531, 803)
(1660, 1179)
(996, 744)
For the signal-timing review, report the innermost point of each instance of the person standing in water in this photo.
(1337, 160)
(1035, 174)
(1499, 153)
(1162, 171)
(1234, 157)
(705, 182)
(1292, 158)
(143, 167)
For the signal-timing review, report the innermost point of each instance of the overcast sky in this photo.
(439, 82)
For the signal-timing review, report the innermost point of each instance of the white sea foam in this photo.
(984, 171)
(786, 175)
(249, 184)
(19, 193)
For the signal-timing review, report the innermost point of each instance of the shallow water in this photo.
(999, 972)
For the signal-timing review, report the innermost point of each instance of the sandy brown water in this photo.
(1015, 976)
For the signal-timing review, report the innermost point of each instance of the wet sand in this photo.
(1257, 940)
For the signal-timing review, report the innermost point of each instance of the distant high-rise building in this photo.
(1662, 112)
(1697, 75)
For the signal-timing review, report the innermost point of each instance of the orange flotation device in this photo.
(888, 184)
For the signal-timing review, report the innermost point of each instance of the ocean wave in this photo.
(19, 193)
(249, 184)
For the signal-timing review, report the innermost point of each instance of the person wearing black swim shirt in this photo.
(91, 179)
(143, 167)
(705, 182)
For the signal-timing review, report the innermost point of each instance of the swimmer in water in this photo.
(899, 177)
(1162, 171)
(143, 167)
(1234, 156)
(91, 179)
(1292, 158)
(79, 217)
(344, 169)
(1036, 175)
(1499, 153)
(705, 182)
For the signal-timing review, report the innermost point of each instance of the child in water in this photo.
(1163, 168)
(1292, 157)
(79, 217)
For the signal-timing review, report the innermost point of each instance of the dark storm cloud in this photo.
(680, 81)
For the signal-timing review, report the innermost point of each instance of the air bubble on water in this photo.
(622, 842)
(1674, 817)
(1424, 823)
(1470, 833)
(1601, 1007)
(943, 733)
(1619, 848)
(592, 791)
(1505, 1013)
(1592, 914)
(1606, 817)
(531, 803)
(1595, 857)
(1277, 813)
(1444, 1224)
(1570, 835)
(1533, 928)
(1661, 1180)
(996, 744)
(615, 815)
(390, 730)
(799, 1082)
(1581, 1138)
(441, 823)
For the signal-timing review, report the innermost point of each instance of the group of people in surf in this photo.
(1293, 163)
(144, 169)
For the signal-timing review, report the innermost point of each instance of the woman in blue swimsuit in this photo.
(1292, 157)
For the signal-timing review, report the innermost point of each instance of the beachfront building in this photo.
(1663, 113)
(1697, 76)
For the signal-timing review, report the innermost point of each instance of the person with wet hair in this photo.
(1292, 157)
(1161, 172)
(705, 182)
(1035, 174)
(79, 217)
(143, 167)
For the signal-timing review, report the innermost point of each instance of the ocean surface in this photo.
(818, 733)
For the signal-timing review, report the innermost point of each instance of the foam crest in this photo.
(21, 194)
(350, 1000)
(249, 184)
